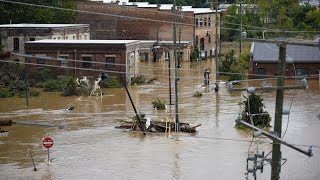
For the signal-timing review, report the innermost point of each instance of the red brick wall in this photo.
(98, 53)
(272, 68)
(109, 27)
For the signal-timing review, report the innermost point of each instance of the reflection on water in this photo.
(90, 147)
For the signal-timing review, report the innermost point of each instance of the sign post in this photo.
(47, 143)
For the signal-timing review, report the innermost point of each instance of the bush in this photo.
(71, 88)
(31, 93)
(109, 83)
(159, 104)
(197, 94)
(138, 80)
(52, 86)
(256, 107)
(6, 92)
(40, 76)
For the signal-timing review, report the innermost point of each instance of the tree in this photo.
(237, 67)
(254, 105)
(29, 14)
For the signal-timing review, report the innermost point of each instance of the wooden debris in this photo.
(158, 126)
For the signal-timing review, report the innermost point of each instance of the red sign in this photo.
(47, 142)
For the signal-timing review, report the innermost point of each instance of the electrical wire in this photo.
(137, 18)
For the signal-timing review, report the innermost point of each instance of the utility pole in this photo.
(175, 66)
(240, 27)
(276, 148)
(179, 57)
(216, 51)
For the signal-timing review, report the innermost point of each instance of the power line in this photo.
(138, 18)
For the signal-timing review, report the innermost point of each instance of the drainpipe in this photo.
(75, 63)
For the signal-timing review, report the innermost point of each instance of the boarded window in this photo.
(110, 62)
(16, 44)
(86, 64)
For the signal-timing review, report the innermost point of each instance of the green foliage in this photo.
(236, 66)
(110, 82)
(159, 104)
(256, 107)
(10, 72)
(142, 80)
(194, 56)
(30, 14)
(38, 77)
(197, 94)
(71, 88)
(31, 93)
(6, 92)
(52, 86)
(138, 80)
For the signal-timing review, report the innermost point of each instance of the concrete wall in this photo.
(111, 27)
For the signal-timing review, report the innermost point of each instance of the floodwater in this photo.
(90, 148)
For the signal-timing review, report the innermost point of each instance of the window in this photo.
(197, 22)
(85, 37)
(63, 60)
(261, 73)
(42, 60)
(167, 56)
(80, 37)
(74, 37)
(205, 21)
(16, 44)
(86, 64)
(209, 21)
(66, 37)
(302, 71)
(202, 44)
(209, 39)
(200, 22)
(110, 62)
(32, 39)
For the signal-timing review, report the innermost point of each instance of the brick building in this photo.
(85, 57)
(205, 31)
(149, 22)
(164, 50)
(13, 36)
(301, 60)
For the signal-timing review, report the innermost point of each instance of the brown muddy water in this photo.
(90, 148)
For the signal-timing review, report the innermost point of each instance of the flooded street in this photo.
(89, 147)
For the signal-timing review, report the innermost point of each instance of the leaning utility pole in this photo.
(276, 148)
(216, 51)
(175, 66)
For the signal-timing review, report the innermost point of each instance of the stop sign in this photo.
(47, 142)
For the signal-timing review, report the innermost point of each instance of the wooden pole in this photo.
(175, 67)
(276, 148)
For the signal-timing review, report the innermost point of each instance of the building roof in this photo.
(269, 52)
(40, 25)
(49, 41)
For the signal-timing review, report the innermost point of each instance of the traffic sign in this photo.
(47, 142)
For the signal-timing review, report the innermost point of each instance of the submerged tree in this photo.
(254, 105)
